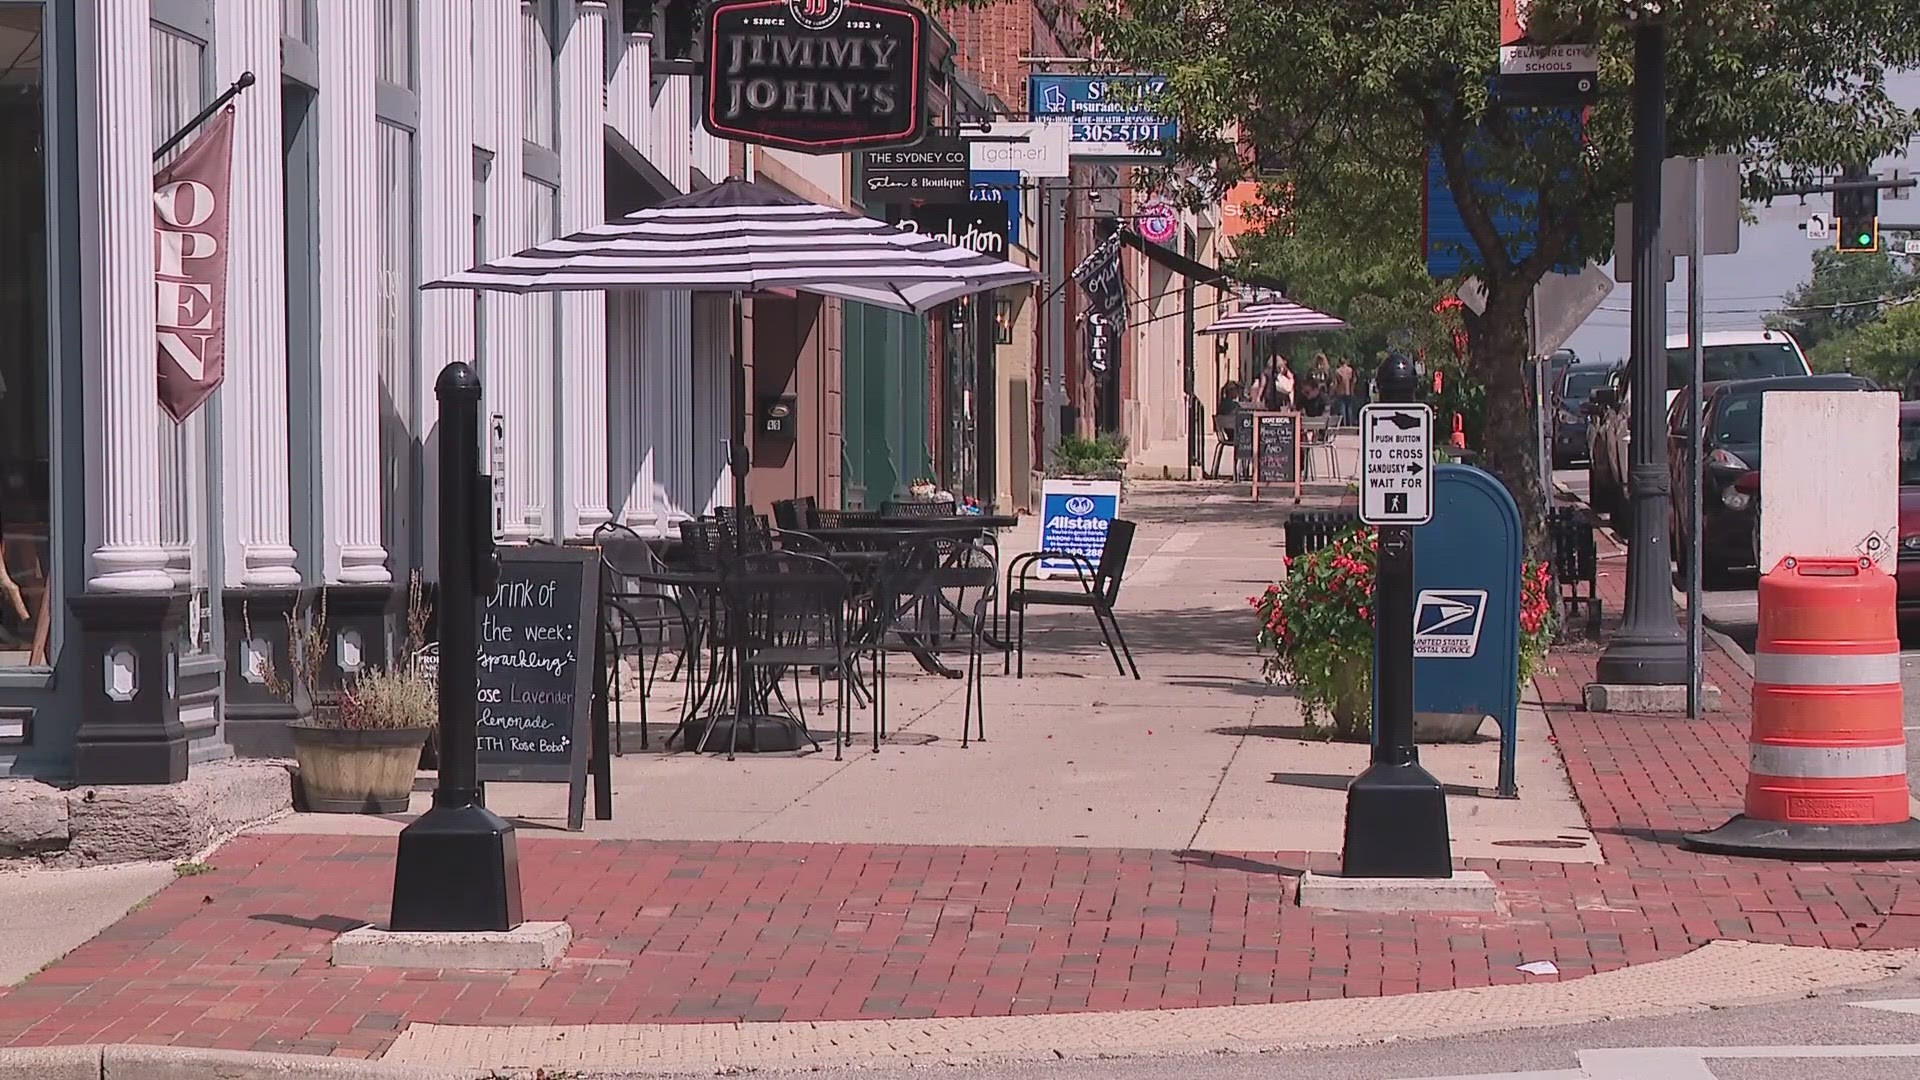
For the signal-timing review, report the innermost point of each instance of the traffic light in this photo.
(1857, 213)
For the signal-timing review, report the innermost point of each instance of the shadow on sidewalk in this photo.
(1340, 782)
(332, 924)
(1217, 861)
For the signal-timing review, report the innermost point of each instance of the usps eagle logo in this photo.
(816, 14)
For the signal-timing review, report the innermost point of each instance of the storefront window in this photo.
(396, 42)
(179, 92)
(26, 403)
(536, 19)
(543, 327)
(295, 17)
(398, 453)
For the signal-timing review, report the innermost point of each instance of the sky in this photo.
(1775, 257)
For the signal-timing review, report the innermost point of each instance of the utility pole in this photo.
(1649, 649)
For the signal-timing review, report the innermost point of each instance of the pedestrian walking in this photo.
(1346, 403)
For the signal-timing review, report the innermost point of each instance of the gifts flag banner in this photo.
(190, 209)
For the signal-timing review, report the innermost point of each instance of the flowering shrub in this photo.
(1316, 630)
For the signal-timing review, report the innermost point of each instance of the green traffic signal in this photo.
(1857, 235)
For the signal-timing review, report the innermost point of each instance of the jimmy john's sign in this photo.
(817, 76)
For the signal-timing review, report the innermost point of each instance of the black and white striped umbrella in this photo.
(739, 236)
(1276, 317)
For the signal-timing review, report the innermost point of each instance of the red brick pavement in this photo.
(681, 932)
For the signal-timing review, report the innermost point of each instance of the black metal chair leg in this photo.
(1099, 616)
(1115, 620)
(1020, 646)
(612, 644)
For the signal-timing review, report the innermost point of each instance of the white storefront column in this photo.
(582, 414)
(129, 617)
(498, 81)
(446, 83)
(349, 293)
(254, 397)
(262, 583)
(117, 168)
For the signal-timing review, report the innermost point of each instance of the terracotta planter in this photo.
(357, 771)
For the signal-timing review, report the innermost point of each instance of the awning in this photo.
(1197, 272)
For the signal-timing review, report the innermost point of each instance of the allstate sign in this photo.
(1075, 515)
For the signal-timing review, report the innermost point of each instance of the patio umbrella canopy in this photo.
(739, 236)
(1276, 317)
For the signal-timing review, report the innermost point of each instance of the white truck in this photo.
(1730, 355)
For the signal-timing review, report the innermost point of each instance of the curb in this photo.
(1719, 974)
(133, 1062)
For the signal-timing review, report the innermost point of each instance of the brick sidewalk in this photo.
(688, 932)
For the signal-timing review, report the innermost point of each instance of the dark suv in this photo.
(1730, 489)
(1569, 404)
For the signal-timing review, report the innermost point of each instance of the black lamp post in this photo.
(1649, 648)
(458, 867)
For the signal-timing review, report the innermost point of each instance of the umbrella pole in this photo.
(737, 461)
(737, 448)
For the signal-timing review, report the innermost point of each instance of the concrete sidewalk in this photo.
(1199, 753)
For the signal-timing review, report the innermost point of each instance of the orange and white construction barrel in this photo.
(1827, 767)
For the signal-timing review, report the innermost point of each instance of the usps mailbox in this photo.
(1466, 618)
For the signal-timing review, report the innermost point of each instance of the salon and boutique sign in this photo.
(817, 76)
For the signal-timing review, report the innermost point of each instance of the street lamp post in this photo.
(1649, 648)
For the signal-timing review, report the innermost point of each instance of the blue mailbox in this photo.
(1466, 616)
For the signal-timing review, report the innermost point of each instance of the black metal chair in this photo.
(917, 509)
(1099, 591)
(790, 612)
(630, 609)
(967, 585)
(743, 531)
(794, 513)
(844, 519)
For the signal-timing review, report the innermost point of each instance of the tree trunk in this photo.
(1497, 354)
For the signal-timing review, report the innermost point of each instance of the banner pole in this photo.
(245, 80)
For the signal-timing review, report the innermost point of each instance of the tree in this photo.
(1381, 289)
(1843, 294)
(1348, 96)
(1887, 349)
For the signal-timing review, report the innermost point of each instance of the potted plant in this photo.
(1100, 458)
(1316, 634)
(358, 751)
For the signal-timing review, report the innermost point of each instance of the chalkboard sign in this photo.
(539, 644)
(1276, 451)
(1243, 444)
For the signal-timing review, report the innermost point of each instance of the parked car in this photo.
(1608, 410)
(1908, 564)
(1731, 355)
(1570, 394)
(1731, 495)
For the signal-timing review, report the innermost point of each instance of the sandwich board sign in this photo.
(1076, 514)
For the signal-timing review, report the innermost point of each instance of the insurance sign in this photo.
(1109, 113)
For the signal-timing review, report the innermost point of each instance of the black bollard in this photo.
(1396, 810)
(458, 868)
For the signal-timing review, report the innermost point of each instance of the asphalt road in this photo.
(1735, 613)
(1548, 1053)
